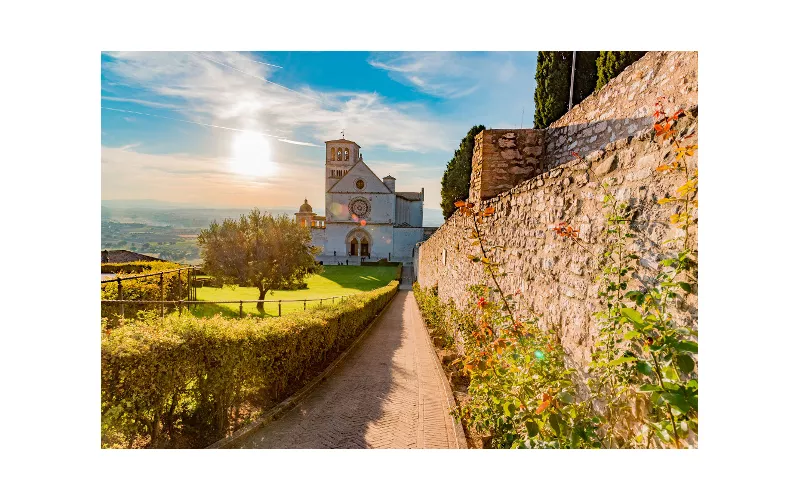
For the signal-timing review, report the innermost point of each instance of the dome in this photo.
(305, 207)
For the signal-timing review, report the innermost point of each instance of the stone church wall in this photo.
(556, 277)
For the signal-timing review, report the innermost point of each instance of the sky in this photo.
(245, 129)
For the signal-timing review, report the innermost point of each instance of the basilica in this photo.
(365, 219)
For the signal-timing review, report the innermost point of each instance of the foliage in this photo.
(145, 288)
(552, 86)
(190, 377)
(521, 392)
(138, 267)
(585, 75)
(610, 63)
(445, 321)
(644, 366)
(258, 250)
(455, 181)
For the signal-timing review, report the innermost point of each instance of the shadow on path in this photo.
(386, 394)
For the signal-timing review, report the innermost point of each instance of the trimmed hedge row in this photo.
(190, 376)
(138, 267)
(146, 288)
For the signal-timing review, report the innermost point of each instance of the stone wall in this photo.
(557, 277)
(624, 107)
(504, 158)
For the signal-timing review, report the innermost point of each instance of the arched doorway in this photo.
(359, 243)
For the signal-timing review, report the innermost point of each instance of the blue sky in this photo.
(243, 129)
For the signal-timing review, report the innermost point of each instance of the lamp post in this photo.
(572, 80)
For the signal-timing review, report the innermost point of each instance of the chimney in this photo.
(389, 182)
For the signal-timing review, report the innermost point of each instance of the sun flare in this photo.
(251, 155)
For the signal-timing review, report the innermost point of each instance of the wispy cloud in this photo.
(232, 91)
(449, 75)
(143, 102)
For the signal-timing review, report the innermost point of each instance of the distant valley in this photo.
(169, 230)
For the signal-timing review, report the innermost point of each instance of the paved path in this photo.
(388, 393)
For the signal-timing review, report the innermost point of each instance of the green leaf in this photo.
(685, 286)
(685, 363)
(649, 388)
(508, 408)
(532, 428)
(633, 334)
(632, 315)
(644, 367)
(677, 400)
(687, 346)
(556, 422)
(619, 361)
(565, 397)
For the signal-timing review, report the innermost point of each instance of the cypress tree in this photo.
(610, 63)
(455, 181)
(553, 73)
(552, 86)
(585, 75)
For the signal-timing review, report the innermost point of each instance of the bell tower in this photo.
(340, 156)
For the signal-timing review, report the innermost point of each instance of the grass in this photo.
(333, 282)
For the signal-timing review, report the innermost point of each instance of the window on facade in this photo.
(346, 154)
(339, 154)
(333, 153)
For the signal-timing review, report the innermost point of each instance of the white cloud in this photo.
(449, 75)
(234, 91)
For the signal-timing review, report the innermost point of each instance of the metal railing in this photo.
(181, 303)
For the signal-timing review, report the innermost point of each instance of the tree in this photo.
(455, 181)
(552, 87)
(553, 75)
(610, 63)
(258, 250)
(585, 75)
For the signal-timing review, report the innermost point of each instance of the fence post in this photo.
(241, 311)
(119, 297)
(279, 307)
(179, 289)
(161, 287)
(320, 302)
(304, 304)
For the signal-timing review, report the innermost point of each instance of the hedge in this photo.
(138, 267)
(184, 376)
(146, 288)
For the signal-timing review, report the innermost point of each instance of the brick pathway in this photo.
(388, 393)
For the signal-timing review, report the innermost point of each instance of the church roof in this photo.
(409, 195)
(343, 140)
(389, 177)
(352, 169)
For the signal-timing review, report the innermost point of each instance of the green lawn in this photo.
(334, 281)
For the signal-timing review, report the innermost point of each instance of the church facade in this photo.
(365, 219)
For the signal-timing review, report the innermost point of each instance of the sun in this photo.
(251, 155)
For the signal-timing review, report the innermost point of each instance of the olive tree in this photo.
(258, 250)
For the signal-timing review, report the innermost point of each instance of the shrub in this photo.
(146, 288)
(138, 267)
(189, 376)
(445, 322)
